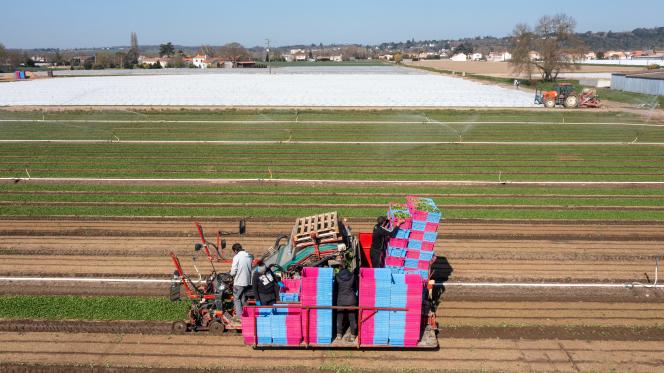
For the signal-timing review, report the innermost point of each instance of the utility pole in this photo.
(269, 67)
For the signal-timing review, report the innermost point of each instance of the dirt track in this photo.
(217, 352)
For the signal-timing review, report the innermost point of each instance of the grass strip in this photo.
(90, 308)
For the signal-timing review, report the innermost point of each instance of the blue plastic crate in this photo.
(396, 271)
(324, 326)
(415, 244)
(396, 252)
(419, 225)
(402, 233)
(434, 217)
(264, 329)
(289, 297)
(426, 255)
(430, 236)
(411, 263)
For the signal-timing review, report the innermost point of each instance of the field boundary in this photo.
(459, 284)
(297, 121)
(323, 142)
(329, 182)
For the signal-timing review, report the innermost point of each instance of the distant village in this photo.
(203, 60)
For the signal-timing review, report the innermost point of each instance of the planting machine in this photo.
(316, 241)
(565, 95)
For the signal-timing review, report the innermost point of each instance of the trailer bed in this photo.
(429, 341)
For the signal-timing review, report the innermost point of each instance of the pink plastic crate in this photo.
(428, 246)
(419, 215)
(394, 261)
(401, 243)
(248, 325)
(291, 285)
(431, 227)
(293, 329)
(412, 254)
(416, 235)
(424, 264)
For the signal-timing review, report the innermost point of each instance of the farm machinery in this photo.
(315, 241)
(566, 95)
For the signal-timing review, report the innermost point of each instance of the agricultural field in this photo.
(370, 89)
(572, 198)
(503, 69)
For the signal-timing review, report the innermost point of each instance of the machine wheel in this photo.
(179, 327)
(550, 103)
(216, 328)
(571, 102)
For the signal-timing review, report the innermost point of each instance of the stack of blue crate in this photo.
(264, 325)
(324, 288)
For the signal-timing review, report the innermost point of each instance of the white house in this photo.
(499, 56)
(151, 61)
(336, 58)
(476, 56)
(301, 57)
(459, 57)
(200, 61)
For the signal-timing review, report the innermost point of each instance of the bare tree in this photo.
(554, 44)
(234, 52)
(208, 50)
(133, 53)
(3, 57)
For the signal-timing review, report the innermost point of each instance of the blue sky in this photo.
(88, 23)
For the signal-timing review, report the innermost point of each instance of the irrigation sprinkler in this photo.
(649, 286)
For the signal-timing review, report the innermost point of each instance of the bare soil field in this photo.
(504, 69)
(593, 321)
(218, 352)
(490, 251)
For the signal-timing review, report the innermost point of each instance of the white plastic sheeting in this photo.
(343, 90)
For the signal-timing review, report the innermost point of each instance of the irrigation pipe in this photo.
(334, 182)
(447, 284)
(298, 121)
(323, 142)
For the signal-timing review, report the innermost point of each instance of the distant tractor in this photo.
(564, 94)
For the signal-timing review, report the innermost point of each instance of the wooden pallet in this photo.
(325, 226)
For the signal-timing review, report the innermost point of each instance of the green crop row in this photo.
(326, 162)
(392, 191)
(306, 199)
(326, 115)
(90, 308)
(431, 131)
(148, 200)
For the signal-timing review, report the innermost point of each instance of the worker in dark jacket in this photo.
(382, 232)
(346, 296)
(265, 285)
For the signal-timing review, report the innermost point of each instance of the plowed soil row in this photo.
(332, 194)
(230, 173)
(491, 251)
(214, 352)
(204, 205)
(594, 333)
